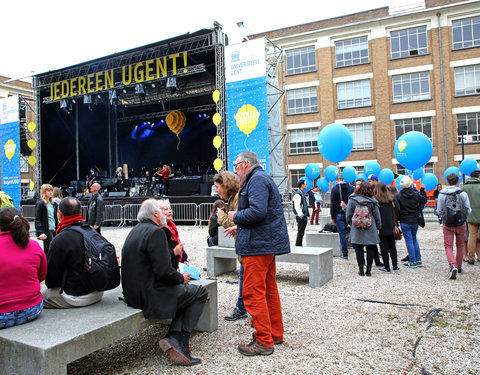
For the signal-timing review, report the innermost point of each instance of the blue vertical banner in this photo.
(247, 106)
(10, 148)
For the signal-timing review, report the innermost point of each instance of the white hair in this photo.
(148, 210)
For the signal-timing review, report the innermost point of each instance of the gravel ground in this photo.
(415, 321)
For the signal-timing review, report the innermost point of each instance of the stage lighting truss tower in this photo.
(220, 86)
(28, 109)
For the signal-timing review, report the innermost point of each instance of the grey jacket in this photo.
(95, 210)
(364, 236)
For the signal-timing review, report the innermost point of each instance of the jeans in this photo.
(410, 235)
(342, 232)
(240, 305)
(18, 317)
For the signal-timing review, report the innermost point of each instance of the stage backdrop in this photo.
(10, 148)
(247, 107)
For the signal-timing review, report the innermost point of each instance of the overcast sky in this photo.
(46, 35)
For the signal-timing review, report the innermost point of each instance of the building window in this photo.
(421, 124)
(410, 42)
(302, 141)
(302, 100)
(295, 175)
(428, 168)
(411, 87)
(351, 52)
(472, 121)
(362, 135)
(354, 94)
(466, 33)
(467, 80)
(301, 60)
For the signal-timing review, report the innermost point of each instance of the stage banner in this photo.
(10, 148)
(247, 106)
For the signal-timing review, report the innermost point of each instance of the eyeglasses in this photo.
(235, 164)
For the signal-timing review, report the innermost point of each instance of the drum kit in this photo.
(144, 187)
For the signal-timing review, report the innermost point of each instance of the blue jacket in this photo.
(261, 225)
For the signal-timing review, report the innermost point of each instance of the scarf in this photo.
(172, 228)
(69, 220)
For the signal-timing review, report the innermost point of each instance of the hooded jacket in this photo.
(409, 200)
(472, 188)
(335, 198)
(364, 236)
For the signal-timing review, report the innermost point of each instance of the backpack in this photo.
(361, 216)
(100, 269)
(454, 213)
(329, 228)
(5, 200)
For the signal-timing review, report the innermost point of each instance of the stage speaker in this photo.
(205, 188)
(117, 194)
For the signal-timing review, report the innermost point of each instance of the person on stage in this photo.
(91, 178)
(119, 176)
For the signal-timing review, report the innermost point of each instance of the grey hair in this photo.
(148, 210)
(163, 202)
(250, 157)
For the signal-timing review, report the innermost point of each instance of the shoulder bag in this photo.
(397, 232)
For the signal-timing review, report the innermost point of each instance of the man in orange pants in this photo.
(261, 235)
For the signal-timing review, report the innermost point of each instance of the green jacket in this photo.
(472, 188)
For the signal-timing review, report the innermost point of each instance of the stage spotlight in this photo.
(112, 96)
(140, 91)
(153, 85)
(172, 85)
(87, 99)
(124, 91)
(200, 115)
(66, 105)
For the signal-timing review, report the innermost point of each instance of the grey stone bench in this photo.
(59, 336)
(326, 239)
(320, 260)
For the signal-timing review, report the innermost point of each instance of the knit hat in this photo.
(373, 177)
(406, 182)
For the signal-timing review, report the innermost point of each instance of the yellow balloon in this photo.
(247, 118)
(217, 142)
(31, 126)
(218, 164)
(217, 119)
(176, 121)
(32, 185)
(10, 147)
(32, 160)
(216, 96)
(32, 143)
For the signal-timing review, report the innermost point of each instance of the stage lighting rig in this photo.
(172, 85)
(140, 91)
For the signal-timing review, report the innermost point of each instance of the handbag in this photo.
(397, 232)
(420, 218)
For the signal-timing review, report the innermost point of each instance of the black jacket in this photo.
(66, 256)
(213, 229)
(335, 199)
(95, 210)
(409, 200)
(386, 213)
(149, 281)
(41, 217)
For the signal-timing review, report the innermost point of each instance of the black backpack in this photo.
(100, 269)
(454, 213)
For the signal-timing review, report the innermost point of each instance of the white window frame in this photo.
(364, 127)
(349, 90)
(471, 118)
(351, 49)
(302, 94)
(467, 80)
(412, 123)
(412, 39)
(462, 24)
(294, 134)
(410, 81)
(300, 69)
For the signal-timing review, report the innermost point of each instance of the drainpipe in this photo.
(443, 91)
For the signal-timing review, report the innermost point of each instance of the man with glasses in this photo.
(261, 235)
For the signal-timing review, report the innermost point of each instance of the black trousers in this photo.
(46, 242)
(302, 224)
(371, 251)
(190, 304)
(387, 248)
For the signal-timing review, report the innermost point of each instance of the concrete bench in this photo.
(60, 336)
(320, 260)
(326, 239)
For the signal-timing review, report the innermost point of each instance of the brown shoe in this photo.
(175, 351)
(254, 348)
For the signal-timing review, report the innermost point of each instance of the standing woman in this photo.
(46, 220)
(23, 266)
(368, 237)
(389, 214)
(57, 195)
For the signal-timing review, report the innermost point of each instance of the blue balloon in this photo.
(335, 142)
(468, 165)
(323, 184)
(331, 173)
(386, 176)
(455, 170)
(312, 171)
(398, 180)
(362, 177)
(413, 150)
(429, 181)
(309, 182)
(349, 174)
(371, 167)
(418, 174)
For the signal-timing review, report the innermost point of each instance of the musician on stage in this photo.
(91, 178)
(148, 183)
(119, 175)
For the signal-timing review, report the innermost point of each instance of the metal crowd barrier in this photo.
(113, 214)
(204, 210)
(184, 212)
(84, 213)
(130, 212)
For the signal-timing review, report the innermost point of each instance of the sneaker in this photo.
(453, 273)
(406, 259)
(411, 265)
(384, 270)
(471, 262)
(254, 348)
(236, 314)
(396, 269)
(459, 270)
(419, 263)
(344, 257)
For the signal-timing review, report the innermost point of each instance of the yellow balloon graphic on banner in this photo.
(217, 119)
(10, 147)
(217, 142)
(247, 118)
(402, 145)
(218, 164)
(32, 143)
(32, 185)
(32, 160)
(216, 96)
(31, 126)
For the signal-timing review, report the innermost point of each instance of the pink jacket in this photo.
(21, 272)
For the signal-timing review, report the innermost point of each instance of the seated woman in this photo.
(23, 266)
(176, 246)
(213, 224)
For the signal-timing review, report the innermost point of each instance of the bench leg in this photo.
(219, 266)
(22, 359)
(208, 321)
(320, 270)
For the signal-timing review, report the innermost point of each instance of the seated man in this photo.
(151, 283)
(65, 262)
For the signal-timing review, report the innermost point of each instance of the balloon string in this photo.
(245, 144)
(178, 144)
